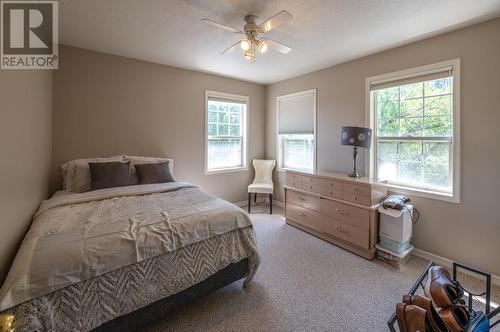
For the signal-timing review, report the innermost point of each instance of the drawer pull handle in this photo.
(341, 230)
(301, 198)
(310, 187)
(301, 214)
(356, 189)
(339, 211)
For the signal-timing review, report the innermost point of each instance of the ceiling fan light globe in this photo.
(245, 44)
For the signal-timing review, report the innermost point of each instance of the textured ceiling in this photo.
(322, 32)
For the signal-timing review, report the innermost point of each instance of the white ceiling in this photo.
(322, 32)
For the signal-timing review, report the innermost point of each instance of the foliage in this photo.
(421, 109)
(224, 119)
(423, 162)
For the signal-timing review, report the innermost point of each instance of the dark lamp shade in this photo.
(356, 136)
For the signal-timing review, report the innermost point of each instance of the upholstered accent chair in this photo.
(263, 182)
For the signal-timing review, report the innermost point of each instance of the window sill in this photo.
(226, 170)
(423, 193)
(304, 170)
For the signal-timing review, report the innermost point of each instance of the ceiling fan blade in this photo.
(232, 48)
(277, 46)
(276, 20)
(220, 25)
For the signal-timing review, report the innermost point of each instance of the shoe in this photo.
(410, 318)
(456, 317)
(433, 320)
(441, 289)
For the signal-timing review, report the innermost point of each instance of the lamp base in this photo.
(354, 173)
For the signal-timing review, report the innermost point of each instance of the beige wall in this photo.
(105, 105)
(25, 145)
(469, 231)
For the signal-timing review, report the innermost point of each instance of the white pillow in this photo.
(137, 160)
(76, 173)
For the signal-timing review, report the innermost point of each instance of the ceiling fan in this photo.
(251, 41)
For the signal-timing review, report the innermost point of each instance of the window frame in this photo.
(278, 152)
(244, 131)
(371, 154)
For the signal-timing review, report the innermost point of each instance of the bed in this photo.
(118, 258)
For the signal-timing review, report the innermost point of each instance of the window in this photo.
(297, 151)
(296, 128)
(226, 119)
(414, 119)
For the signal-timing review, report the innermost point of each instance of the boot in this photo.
(433, 320)
(410, 318)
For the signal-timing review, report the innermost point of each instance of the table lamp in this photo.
(356, 137)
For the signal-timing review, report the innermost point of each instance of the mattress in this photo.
(91, 257)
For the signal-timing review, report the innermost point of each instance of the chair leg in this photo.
(249, 201)
(270, 203)
(255, 198)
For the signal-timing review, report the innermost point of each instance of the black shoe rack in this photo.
(475, 315)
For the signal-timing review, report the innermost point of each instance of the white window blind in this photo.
(226, 100)
(427, 75)
(296, 117)
(296, 114)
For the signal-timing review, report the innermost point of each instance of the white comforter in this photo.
(81, 236)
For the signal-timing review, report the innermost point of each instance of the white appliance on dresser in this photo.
(336, 208)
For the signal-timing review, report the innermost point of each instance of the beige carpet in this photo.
(303, 284)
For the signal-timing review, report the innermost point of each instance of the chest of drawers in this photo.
(336, 208)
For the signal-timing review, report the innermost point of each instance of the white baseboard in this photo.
(259, 200)
(448, 263)
(245, 203)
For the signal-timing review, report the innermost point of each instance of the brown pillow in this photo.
(109, 175)
(154, 173)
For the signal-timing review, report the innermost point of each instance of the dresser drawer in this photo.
(346, 232)
(304, 216)
(303, 200)
(318, 186)
(308, 182)
(356, 198)
(326, 191)
(327, 187)
(294, 180)
(346, 213)
(330, 184)
(356, 189)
